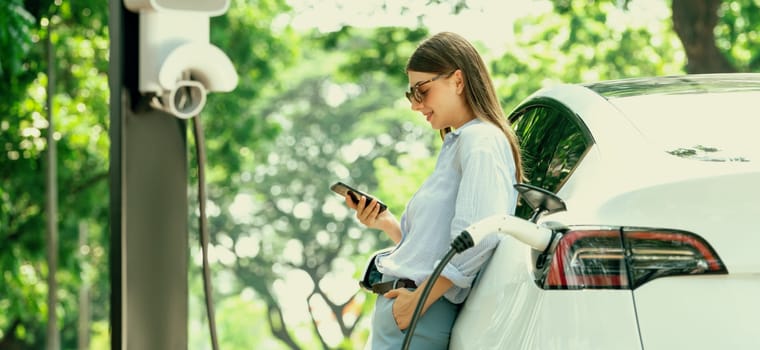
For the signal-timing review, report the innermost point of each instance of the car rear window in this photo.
(715, 127)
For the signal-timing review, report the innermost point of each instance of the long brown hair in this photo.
(446, 52)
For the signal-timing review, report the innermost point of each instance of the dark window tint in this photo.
(552, 143)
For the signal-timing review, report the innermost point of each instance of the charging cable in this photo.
(203, 223)
(526, 231)
(461, 243)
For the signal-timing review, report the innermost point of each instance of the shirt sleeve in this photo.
(486, 188)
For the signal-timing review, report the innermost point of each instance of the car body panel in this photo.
(507, 310)
(700, 312)
(626, 179)
(631, 177)
(673, 202)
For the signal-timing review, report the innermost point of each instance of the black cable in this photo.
(461, 243)
(207, 288)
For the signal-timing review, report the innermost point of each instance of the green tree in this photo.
(79, 43)
(715, 35)
(79, 37)
(583, 42)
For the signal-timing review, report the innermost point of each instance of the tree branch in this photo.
(88, 182)
(274, 316)
(314, 321)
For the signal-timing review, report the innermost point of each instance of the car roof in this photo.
(608, 109)
(683, 84)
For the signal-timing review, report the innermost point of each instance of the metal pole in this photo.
(149, 206)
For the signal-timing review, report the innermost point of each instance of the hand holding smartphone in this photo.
(343, 190)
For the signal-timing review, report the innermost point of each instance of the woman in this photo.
(474, 176)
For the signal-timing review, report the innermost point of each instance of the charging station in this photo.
(161, 68)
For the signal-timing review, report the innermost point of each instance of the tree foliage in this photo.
(737, 34)
(284, 220)
(714, 35)
(78, 40)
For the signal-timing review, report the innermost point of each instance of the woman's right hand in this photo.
(369, 214)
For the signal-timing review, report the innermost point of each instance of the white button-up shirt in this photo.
(474, 178)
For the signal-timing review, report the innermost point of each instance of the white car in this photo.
(659, 245)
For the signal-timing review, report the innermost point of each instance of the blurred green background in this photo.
(320, 99)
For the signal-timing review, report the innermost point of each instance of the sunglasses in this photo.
(415, 95)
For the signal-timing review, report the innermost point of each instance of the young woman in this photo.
(474, 176)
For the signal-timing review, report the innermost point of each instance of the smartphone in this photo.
(343, 189)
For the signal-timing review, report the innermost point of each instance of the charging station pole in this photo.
(148, 206)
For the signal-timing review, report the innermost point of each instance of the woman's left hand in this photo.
(406, 301)
(403, 306)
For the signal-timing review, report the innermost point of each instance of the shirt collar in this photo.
(458, 131)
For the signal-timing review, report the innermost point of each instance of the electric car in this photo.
(659, 245)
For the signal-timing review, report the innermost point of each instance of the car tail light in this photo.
(627, 258)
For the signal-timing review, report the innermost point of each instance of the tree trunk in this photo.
(83, 326)
(694, 22)
(51, 205)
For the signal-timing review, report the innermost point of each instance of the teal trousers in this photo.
(432, 332)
